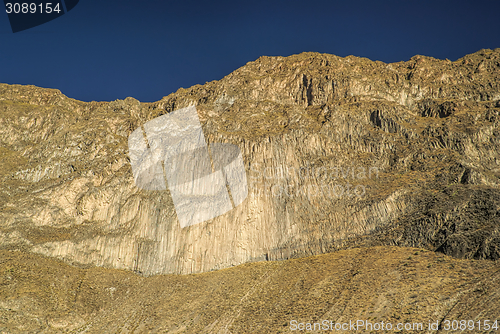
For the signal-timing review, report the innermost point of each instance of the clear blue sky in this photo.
(110, 49)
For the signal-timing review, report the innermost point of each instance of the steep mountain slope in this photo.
(339, 152)
(379, 284)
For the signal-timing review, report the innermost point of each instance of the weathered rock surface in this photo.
(416, 143)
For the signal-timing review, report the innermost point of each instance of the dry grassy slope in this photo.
(390, 284)
(431, 127)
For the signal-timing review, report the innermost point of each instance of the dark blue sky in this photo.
(111, 49)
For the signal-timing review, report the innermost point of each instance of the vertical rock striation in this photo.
(339, 152)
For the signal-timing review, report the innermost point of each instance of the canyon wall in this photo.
(338, 153)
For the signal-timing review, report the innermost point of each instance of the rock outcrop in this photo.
(339, 153)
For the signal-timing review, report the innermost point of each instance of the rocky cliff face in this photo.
(339, 153)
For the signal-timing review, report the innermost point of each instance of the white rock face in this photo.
(335, 153)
